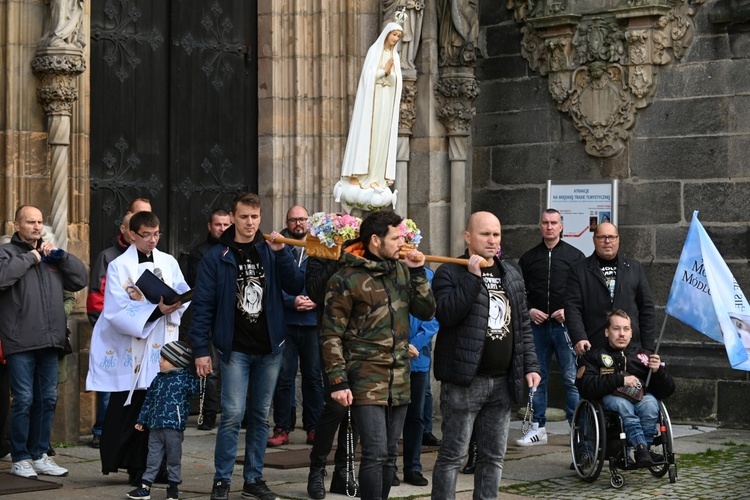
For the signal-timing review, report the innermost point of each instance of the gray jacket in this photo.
(31, 296)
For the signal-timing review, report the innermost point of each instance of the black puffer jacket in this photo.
(462, 311)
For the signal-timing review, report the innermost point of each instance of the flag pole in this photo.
(658, 343)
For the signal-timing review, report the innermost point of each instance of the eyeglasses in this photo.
(607, 237)
(297, 220)
(149, 236)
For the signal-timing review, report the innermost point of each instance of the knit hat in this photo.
(178, 353)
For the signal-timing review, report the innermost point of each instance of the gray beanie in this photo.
(178, 353)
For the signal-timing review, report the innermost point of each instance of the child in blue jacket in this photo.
(165, 413)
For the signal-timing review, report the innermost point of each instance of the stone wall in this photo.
(687, 151)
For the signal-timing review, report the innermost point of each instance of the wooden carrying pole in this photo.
(428, 258)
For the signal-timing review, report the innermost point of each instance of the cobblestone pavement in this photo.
(532, 472)
(727, 476)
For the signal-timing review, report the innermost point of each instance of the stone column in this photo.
(57, 68)
(455, 92)
(407, 117)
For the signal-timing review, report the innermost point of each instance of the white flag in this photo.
(706, 296)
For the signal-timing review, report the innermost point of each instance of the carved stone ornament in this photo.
(455, 93)
(407, 114)
(57, 70)
(601, 58)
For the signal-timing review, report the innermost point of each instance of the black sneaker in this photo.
(429, 439)
(258, 491)
(415, 477)
(173, 493)
(96, 441)
(316, 486)
(220, 491)
(339, 483)
(642, 456)
(395, 481)
(144, 493)
(656, 457)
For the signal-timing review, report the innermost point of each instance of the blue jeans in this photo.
(379, 429)
(33, 385)
(639, 419)
(102, 401)
(245, 377)
(414, 424)
(485, 407)
(302, 343)
(550, 338)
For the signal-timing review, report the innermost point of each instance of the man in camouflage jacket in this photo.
(364, 340)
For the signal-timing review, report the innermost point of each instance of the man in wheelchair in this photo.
(617, 374)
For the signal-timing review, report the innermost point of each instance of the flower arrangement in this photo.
(411, 233)
(331, 227)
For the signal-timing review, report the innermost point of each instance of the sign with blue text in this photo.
(583, 206)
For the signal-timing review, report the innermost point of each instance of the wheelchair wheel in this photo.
(666, 440)
(617, 480)
(587, 440)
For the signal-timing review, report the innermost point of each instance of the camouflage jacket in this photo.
(364, 334)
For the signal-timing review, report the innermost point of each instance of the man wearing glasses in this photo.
(605, 281)
(126, 343)
(301, 349)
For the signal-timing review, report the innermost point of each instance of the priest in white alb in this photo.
(126, 343)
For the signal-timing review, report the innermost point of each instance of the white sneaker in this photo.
(536, 435)
(23, 468)
(46, 465)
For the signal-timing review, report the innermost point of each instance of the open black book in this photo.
(154, 288)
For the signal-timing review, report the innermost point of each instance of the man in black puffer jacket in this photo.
(484, 357)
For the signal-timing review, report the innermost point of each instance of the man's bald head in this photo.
(482, 235)
(476, 217)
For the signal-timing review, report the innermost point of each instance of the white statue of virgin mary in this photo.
(369, 165)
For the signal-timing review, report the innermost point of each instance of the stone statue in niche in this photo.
(459, 28)
(730, 12)
(414, 10)
(65, 25)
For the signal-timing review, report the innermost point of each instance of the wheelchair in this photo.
(597, 435)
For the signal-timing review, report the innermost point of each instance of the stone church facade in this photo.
(497, 102)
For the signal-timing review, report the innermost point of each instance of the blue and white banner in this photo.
(706, 296)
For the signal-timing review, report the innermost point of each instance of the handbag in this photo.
(632, 394)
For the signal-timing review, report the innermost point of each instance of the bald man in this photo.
(33, 275)
(605, 281)
(485, 361)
